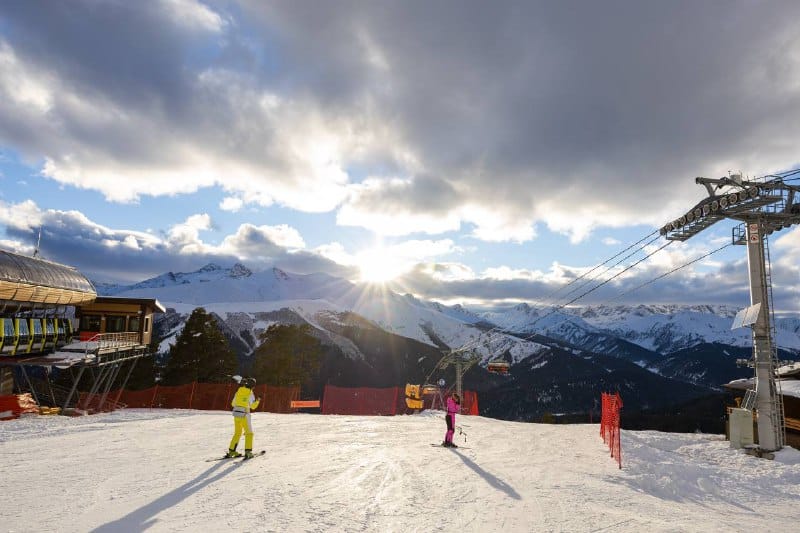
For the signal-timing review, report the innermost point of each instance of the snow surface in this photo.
(139, 469)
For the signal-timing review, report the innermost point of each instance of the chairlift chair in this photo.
(498, 366)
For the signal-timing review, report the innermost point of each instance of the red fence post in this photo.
(324, 396)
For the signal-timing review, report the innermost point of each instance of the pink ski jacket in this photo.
(452, 406)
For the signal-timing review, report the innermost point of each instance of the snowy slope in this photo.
(138, 470)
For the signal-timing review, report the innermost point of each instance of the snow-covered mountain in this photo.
(561, 361)
(657, 329)
(231, 292)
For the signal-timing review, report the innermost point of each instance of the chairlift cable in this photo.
(603, 283)
(667, 273)
(553, 293)
(582, 285)
(501, 330)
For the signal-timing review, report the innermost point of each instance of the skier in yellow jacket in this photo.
(243, 401)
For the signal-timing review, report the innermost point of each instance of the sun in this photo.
(377, 265)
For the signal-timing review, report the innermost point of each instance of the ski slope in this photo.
(137, 470)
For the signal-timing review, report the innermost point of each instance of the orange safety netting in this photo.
(9, 407)
(217, 397)
(469, 404)
(94, 403)
(360, 401)
(370, 401)
(208, 396)
(609, 424)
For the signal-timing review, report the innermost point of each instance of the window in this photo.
(133, 323)
(147, 324)
(90, 323)
(115, 324)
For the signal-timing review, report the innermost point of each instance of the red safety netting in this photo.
(208, 396)
(95, 403)
(609, 424)
(138, 398)
(388, 401)
(360, 401)
(276, 399)
(469, 404)
(9, 407)
(212, 396)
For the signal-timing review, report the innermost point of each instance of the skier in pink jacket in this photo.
(453, 406)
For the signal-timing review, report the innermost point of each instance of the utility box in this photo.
(740, 422)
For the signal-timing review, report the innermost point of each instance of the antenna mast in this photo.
(38, 242)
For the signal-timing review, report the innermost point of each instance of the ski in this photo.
(257, 454)
(225, 457)
(459, 447)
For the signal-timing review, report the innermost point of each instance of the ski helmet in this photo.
(249, 382)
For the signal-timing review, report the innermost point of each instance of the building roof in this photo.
(788, 387)
(26, 279)
(147, 302)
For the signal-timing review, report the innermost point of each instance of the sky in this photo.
(465, 152)
(136, 470)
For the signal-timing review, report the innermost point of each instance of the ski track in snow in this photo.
(137, 470)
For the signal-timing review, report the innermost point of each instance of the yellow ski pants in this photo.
(242, 424)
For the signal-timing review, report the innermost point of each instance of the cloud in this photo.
(495, 117)
(123, 255)
(232, 204)
(109, 254)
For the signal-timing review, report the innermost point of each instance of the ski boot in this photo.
(248, 454)
(232, 454)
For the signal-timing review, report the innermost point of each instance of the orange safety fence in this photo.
(469, 404)
(609, 424)
(207, 396)
(372, 401)
(93, 403)
(360, 401)
(217, 397)
(9, 407)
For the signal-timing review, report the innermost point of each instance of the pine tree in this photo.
(288, 355)
(201, 353)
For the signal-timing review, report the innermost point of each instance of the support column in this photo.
(770, 436)
(459, 374)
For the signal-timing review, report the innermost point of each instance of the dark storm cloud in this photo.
(424, 193)
(503, 115)
(727, 283)
(605, 103)
(124, 50)
(537, 107)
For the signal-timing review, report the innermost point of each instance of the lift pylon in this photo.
(764, 206)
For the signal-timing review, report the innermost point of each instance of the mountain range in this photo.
(561, 359)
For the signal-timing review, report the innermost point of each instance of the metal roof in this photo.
(30, 279)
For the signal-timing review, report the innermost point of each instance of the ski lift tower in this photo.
(462, 360)
(762, 206)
